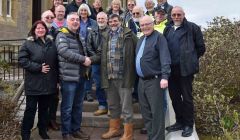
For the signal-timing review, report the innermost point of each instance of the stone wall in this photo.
(16, 26)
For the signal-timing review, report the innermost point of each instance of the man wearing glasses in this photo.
(186, 46)
(153, 68)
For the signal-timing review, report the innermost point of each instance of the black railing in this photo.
(9, 54)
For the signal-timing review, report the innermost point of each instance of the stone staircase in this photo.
(89, 120)
(100, 123)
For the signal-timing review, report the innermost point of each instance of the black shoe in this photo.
(67, 137)
(143, 131)
(81, 135)
(54, 125)
(175, 127)
(89, 97)
(44, 135)
(134, 100)
(187, 131)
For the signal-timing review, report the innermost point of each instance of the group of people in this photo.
(129, 55)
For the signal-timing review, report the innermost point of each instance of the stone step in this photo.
(89, 120)
(93, 106)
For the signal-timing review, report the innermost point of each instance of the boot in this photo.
(43, 134)
(128, 132)
(114, 129)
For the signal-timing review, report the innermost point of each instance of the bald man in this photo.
(186, 46)
(153, 68)
(59, 20)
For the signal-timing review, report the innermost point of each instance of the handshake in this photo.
(87, 61)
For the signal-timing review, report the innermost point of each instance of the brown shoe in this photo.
(54, 125)
(100, 112)
(67, 137)
(114, 129)
(128, 132)
(81, 135)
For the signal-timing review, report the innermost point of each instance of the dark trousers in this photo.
(151, 103)
(42, 101)
(180, 90)
(53, 105)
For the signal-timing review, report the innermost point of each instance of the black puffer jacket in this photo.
(33, 53)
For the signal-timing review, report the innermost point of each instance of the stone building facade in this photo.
(17, 16)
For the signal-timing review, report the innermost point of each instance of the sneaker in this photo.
(89, 97)
(81, 135)
(100, 112)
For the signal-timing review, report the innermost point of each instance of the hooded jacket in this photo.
(33, 53)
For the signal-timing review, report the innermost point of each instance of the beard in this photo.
(177, 23)
(114, 28)
(49, 25)
(102, 25)
(136, 19)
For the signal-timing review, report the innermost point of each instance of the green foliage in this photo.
(218, 82)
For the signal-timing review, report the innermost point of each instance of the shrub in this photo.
(9, 125)
(217, 85)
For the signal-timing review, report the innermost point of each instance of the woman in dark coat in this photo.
(38, 56)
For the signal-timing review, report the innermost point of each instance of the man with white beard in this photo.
(95, 41)
(137, 13)
(47, 17)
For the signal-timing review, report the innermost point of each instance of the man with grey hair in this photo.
(71, 62)
(186, 46)
(149, 5)
(96, 39)
(153, 68)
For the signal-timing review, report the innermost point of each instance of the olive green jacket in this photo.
(129, 42)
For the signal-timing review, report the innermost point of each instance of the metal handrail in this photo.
(19, 92)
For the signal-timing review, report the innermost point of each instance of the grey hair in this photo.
(84, 6)
(70, 14)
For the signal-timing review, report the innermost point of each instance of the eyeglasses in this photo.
(131, 4)
(137, 13)
(176, 15)
(49, 17)
(146, 24)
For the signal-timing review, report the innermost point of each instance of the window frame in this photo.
(9, 9)
(1, 8)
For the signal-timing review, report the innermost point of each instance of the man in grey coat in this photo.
(72, 60)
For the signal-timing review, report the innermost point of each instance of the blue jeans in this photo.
(71, 106)
(101, 96)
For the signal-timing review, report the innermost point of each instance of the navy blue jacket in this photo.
(191, 45)
(156, 57)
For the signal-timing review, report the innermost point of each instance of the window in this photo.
(0, 7)
(9, 8)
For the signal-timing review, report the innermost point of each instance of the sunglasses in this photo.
(49, 17)
(137, 13)
(176, 15)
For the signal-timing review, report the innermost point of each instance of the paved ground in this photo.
(95, 134)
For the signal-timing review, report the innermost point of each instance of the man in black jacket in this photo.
(95, 42)
(186, 46)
